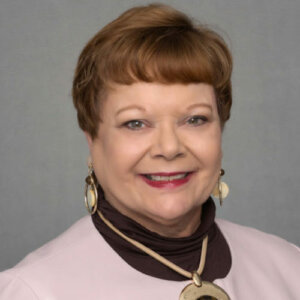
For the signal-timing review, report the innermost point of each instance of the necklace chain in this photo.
(158, 257)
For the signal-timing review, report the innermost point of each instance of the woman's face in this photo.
(149, 132)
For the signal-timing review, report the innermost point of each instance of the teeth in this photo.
(166, 178)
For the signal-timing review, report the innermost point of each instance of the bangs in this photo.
(165, 55)
(153, 43)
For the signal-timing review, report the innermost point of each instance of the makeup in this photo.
(160, 180)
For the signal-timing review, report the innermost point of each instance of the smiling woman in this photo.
(136, 163)
(152, 92)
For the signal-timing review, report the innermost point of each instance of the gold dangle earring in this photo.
(221, 189)
(90, 190)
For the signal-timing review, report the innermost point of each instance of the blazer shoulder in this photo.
(73, 237)
(255, 242)
(52, 271)
(14, 288)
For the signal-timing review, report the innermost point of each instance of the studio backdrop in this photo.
(43, 153)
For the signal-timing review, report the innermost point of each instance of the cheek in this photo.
(121, 153)
(207, 147)
(213, 152)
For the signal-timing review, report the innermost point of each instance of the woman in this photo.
(153, 92)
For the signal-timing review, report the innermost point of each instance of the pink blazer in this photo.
(79, 264)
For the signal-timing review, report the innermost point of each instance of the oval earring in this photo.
(221, 190)
(90, 191)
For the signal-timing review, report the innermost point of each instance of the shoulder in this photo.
(73, 238)
(249, 238)
(268, 264)
(60, 259)
(266, 261)
(13, 288)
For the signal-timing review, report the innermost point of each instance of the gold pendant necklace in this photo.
(197, 290)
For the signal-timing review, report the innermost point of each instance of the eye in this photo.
(197, 120)
(134, 124)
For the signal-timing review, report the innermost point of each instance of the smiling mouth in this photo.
(164, 177)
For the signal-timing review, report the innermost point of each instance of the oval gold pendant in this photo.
(91, 198)
(90, 195)
(207, 290)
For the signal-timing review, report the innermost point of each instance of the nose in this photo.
(167, 143)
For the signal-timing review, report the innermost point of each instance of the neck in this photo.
(183, 251)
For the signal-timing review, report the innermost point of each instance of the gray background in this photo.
(43, 153)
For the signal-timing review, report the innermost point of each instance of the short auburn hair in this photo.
(153, 43)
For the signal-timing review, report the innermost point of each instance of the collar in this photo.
(184, 252)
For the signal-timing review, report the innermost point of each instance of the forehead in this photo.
(153, 96)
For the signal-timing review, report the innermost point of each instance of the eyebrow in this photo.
(143, 109)
(199, 104)
(130, 107)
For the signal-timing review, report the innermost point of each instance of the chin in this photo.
(168, 212)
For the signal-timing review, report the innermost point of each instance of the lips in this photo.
(164, 179)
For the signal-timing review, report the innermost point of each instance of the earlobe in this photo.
(89, 140)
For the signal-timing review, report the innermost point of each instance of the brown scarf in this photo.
(184, 252)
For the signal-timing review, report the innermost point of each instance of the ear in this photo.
(89, 140)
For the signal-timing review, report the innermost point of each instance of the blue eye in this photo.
(134, 124)
(197, 120)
